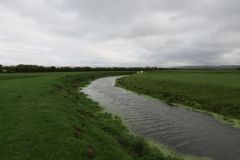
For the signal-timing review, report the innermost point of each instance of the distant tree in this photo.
(29, 68)
(51, 69)
(9, 69)
(36, 68)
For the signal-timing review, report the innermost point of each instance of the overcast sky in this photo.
(120, 32)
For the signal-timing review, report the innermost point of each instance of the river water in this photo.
(184, 130)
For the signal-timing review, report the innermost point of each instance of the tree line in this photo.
(36, 68)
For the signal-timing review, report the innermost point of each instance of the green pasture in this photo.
(216, 91)
(43, 116)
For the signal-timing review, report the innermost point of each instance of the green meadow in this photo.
(216, 91)
(43, 116)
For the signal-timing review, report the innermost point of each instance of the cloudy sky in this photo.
(120, 32)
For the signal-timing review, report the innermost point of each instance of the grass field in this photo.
(210, 90)
(43, 116)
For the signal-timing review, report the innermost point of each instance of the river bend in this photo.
(184, 130)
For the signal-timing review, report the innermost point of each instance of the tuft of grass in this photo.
(210, 90)
(44, 116)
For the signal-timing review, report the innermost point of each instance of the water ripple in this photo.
(186, 131)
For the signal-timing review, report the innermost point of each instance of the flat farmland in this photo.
(211, 90)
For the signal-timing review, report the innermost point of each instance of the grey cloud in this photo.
(120, 33)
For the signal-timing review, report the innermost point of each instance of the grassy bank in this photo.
(209, 90)
(43, 116)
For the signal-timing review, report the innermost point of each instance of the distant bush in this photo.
(35, 68)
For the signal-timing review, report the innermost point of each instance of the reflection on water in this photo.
(186, 131)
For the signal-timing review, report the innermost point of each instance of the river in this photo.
(185, 131)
